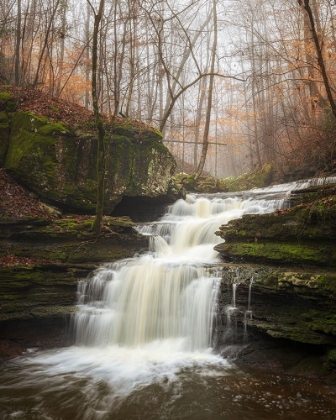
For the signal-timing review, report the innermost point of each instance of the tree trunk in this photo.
(17, 46)
(320, 58)
(211, 82)
(101, 153)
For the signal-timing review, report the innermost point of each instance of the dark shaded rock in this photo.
(37, 299)
(289, 323)
(59, 163)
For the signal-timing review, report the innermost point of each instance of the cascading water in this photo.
(169, 294)
(147, 300)
(143, 332)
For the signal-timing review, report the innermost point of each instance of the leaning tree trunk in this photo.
(320, 58)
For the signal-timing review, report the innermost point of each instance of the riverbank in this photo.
(291, 310)
(282, 267)
(43, 254)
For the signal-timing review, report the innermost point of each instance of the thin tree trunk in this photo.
(17, 45)
(320, 58)
(101, 153)
(211, 83)
(37, 74)
(62, 49)
(87, 55)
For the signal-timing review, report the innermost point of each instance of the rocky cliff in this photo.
(42, 262)
(285, 309)
(52, 150)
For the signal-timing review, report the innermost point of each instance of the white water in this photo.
(165, 299)
(144, 322)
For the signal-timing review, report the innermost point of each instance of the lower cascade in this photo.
(144, 335)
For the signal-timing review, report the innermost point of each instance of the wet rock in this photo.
(38, 295)
(304, 234)
(289, 323)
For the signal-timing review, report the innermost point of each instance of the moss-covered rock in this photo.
(304, 234)
(280, 312)
(257, 179)
(70, 240)
(60, 164)
(7, 102)
(47, 258)
(4, 136)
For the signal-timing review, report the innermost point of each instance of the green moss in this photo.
(257, 179)
(7, 102)
(4, 136)
(332, 356)
(4, 96)
(282, 253)
(135, 130)
(54, 129)
(60, 167)
(327, 281)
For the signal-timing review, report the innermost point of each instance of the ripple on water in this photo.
(79, 383)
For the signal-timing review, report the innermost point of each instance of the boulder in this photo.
(59, 163)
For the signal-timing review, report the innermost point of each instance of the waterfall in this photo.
(170, 293)
(147, 300)
(249, 294)
(143, 332)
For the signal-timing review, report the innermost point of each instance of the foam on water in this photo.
(144, 321)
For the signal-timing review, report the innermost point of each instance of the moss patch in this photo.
(7, 102)
(4, 136)
(281, 253)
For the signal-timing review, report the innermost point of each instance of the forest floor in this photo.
(57, 110)
(17, 203)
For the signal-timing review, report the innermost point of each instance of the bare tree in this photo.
(320, 58)
(101, 153)
(210, 94)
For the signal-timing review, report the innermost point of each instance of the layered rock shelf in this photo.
(282, 266)
(38, 285)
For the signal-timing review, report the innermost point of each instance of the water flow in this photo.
(249, 294)
(143, 325)
(169, 294)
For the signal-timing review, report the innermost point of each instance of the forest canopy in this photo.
(238, 82)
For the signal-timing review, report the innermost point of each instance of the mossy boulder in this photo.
(8, 105)
(7, 102)
(257, 179)
(59, 164)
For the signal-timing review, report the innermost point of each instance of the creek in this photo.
(144, 336)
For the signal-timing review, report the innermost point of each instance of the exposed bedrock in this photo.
(303, 235)
(59, 162)
(285, 309)
(286, 319)
(38, 287)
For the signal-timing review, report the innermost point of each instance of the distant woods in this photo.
(269, 93)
